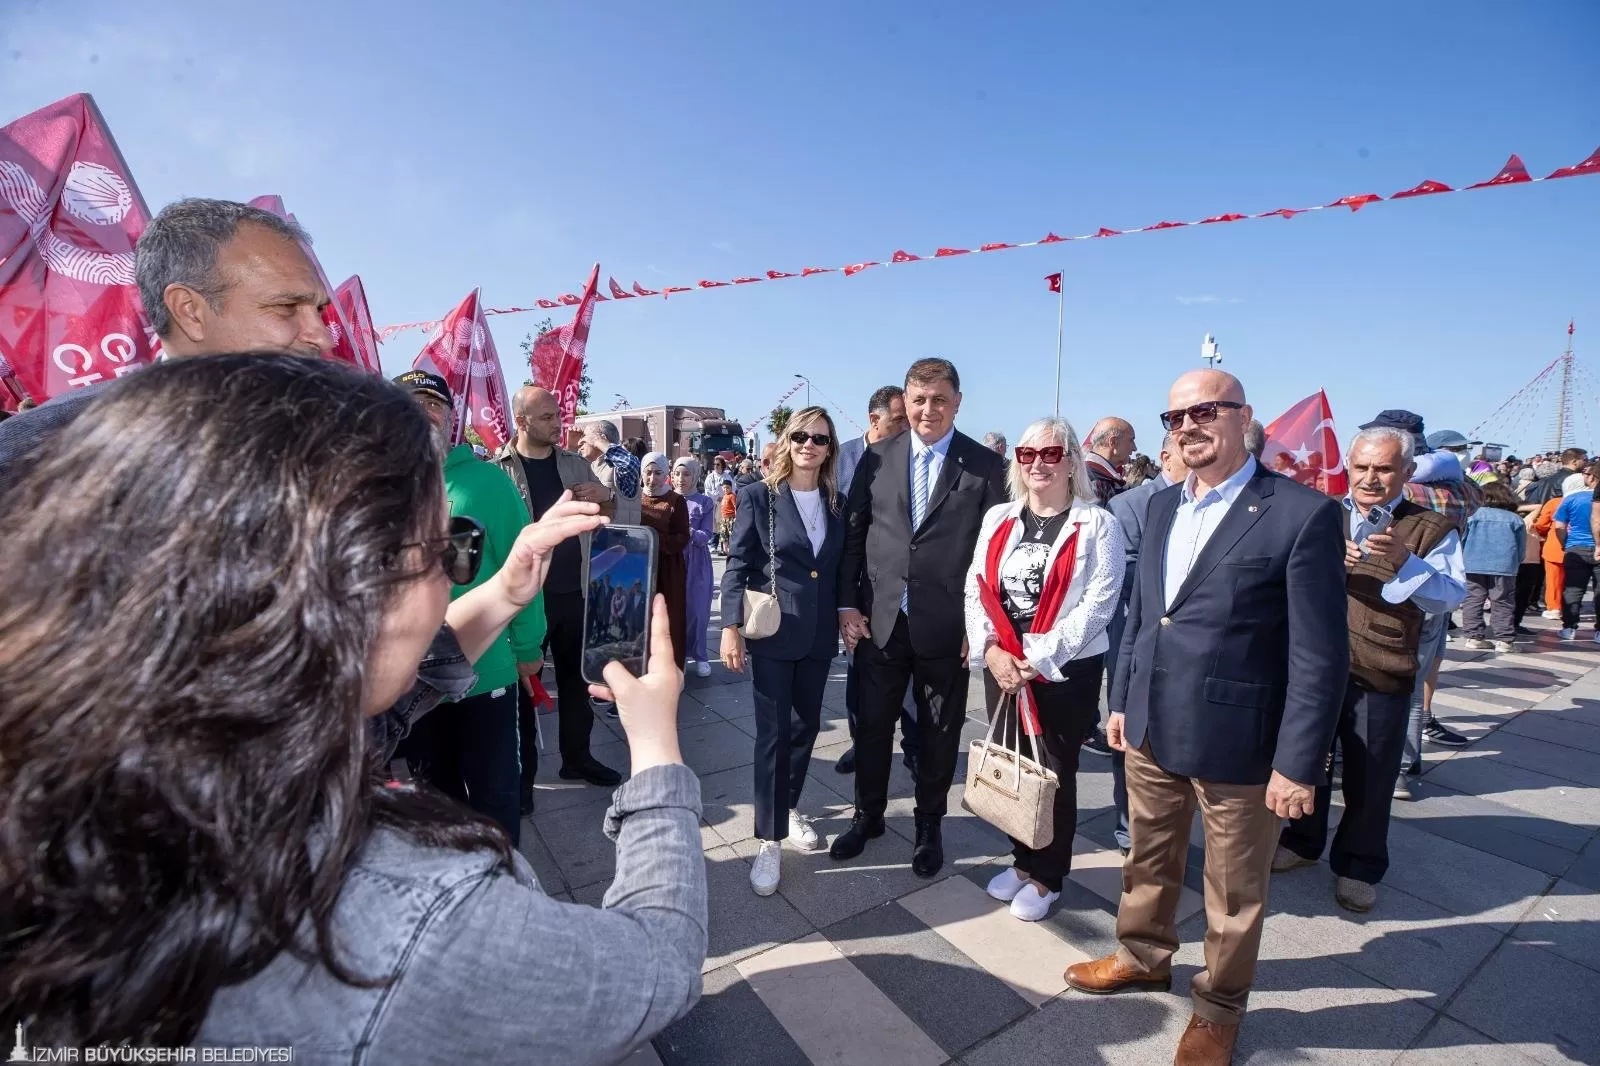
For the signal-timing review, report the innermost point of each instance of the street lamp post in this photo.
(807, 380)
(1210, 352)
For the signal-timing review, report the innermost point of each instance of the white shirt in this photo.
(1194, 523)
(813, 515)
(940, 448)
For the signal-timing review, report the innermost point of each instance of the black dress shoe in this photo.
(593, 771)
(846, 763)
(928, 854)
(851, 842)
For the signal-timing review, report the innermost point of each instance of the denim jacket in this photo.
(1496, 541)
(482, 966)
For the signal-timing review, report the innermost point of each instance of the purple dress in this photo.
(697, 601)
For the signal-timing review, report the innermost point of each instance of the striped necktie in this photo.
(919, 505)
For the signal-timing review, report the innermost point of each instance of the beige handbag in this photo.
(761, 611)
(1012, 792)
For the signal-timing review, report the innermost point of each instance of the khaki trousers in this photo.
(1241, 834)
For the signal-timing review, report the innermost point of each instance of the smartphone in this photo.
(619, 582)
(1379, 519)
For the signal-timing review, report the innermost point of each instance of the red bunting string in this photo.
(1513, 173)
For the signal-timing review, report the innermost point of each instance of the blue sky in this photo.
(433, 148)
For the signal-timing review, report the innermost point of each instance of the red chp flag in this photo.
(70, 216)
(359, 343)
(1302, 444)
(462, 352)
(557, 358)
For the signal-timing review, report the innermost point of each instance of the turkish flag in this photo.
(359, 343)
(557, 357)
(70, 216)
(1055, 282)
(462, 352)
(1302, 444)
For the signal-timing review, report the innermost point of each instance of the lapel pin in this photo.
(1254, 508)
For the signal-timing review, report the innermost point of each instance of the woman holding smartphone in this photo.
(788, 538)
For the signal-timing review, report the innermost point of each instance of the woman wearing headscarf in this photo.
(667, 513)
(702, 527)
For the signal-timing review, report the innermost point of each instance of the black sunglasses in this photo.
(460, 552)
(1200, 414)
(821, 440)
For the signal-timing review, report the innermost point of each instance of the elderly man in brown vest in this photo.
(1414, 566)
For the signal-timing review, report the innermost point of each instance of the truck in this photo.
(677, 430)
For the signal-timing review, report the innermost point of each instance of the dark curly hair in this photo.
(194, 585)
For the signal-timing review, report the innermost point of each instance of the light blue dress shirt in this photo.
(1195, 522)
(939, 448)
(1435, 583)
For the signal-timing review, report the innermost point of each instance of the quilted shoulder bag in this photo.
(761, 611)
(1006, 788)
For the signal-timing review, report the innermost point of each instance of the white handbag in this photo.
(1012, 792)
(761, 611)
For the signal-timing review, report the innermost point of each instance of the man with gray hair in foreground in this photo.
(215, 277)
(1401, 561)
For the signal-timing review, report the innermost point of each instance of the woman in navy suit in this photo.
(798, 509)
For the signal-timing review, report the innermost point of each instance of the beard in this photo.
(442, 435)
(1198, 451)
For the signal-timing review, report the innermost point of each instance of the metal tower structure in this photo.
(1561, 429)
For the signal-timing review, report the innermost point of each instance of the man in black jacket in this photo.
(912, 521)
(1227, 690)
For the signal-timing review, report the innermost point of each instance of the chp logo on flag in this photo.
(70, 217)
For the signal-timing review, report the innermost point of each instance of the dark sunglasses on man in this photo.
(1051, 455)
(460, 551)
(1200, 414)
(821, 440)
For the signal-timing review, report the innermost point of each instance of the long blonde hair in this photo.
(1079, 486)
(781, 466)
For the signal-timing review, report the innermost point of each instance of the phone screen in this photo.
(619, 585)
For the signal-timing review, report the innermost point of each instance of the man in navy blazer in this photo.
(1227, 690)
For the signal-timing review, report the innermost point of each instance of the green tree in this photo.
(778, 419)
(584, 383)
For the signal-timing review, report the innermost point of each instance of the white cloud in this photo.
(1207, 299)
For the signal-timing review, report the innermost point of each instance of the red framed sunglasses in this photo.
(1051, 455)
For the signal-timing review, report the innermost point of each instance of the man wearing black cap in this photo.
(1439, 484)
(471, 750)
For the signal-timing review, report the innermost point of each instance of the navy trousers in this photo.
(788, 697)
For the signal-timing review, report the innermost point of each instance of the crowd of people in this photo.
(289, 814)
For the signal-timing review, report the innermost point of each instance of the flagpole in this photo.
(1061, 316)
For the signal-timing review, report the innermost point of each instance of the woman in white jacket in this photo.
(1044, 581)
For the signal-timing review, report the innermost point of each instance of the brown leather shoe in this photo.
(1105, 976)
(1206, 1043)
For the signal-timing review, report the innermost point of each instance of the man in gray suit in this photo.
(1130, 508)
(886, 418)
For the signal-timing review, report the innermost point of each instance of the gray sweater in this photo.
(488, 969)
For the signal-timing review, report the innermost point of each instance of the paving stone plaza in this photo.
(1482, 947)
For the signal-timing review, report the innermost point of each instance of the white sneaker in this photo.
(1569, 634)
(703, 668)
(1402, 788)
(1554, 616)
(1031, 904)
(1476, 644)
(1505, 647)
(803, 833)
(764, 874)
(1005, 885)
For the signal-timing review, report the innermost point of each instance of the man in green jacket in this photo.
(470, 750)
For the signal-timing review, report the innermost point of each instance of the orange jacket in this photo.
(1554, 551)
